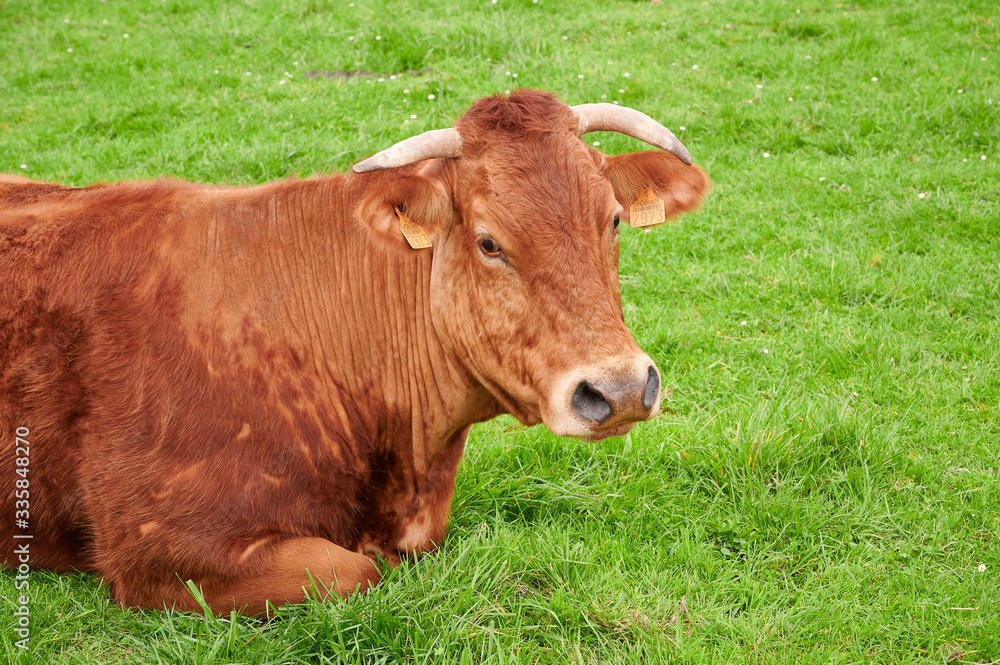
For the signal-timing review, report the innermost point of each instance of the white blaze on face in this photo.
(598, 401)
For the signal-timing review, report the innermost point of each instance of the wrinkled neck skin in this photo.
(342, 318)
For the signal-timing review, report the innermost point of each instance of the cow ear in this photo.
(682, 188)
(394, 201)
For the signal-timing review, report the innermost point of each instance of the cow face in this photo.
(524, 277)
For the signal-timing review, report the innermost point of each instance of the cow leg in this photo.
(289, 572)
(297, 567)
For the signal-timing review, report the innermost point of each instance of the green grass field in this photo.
(822, 482)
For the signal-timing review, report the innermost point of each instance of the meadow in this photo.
(821, 484)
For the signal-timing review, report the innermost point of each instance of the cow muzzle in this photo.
(594, 403)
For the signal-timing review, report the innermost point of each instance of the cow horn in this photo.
(638, 125)
(435, 143)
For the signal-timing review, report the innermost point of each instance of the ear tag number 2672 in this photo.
(647, 210)
(413, 233)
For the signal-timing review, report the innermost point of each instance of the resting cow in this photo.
(256, 387)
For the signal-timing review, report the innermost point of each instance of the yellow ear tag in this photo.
(646, 211)
(414, 234)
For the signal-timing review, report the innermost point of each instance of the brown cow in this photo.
(253, 387)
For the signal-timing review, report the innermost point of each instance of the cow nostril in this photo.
(652, 388)
(590, 403)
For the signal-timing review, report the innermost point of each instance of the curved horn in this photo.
(613, 118)
(435, 143)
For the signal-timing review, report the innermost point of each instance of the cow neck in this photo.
(361, 305)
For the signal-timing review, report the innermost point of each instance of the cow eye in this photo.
(490, 247)
(616, 221)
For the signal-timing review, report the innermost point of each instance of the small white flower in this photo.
(874, 79)
(855, 394)
(514, 75)
(809, 57)
(767, 154)
(125, 36)
(430, 96)
(965, 160)
(610, 63)
(282, 82)
(378, 37)
(506, 92)
(506, 73)
(216, 71)
(760, 85)
(960, 91)
(807, 87)
(621, 91)
(65, 20)
(983, 157)
(392, 77)
(381, 80)
(69, 50)
(626, 75)
(604, 96)
(296, 62)
(406, 91)
(248, 74)
(694, 66)
(24, 166)
(921, 195)
(682, 128)
(413, 116)
(765, 351)
(791, 99)
(406, 122)
(982, 566)
(597, 143)
(565, 37)
(105, 21)
(822, 178)
(351, 38)
(493, 1)
(616, 101)
(743, 323)
(579, 76)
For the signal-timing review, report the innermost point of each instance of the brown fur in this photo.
(244, 387)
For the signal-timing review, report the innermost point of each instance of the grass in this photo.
(822, 483)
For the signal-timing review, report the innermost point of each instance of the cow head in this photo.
(524, 221)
